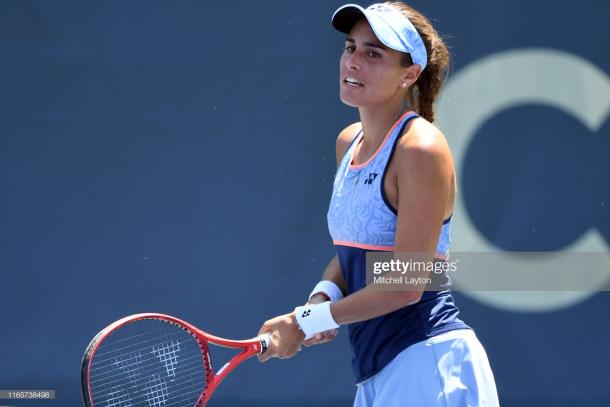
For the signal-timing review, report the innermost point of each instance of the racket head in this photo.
(149, 360)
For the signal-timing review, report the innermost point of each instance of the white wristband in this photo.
(329, 288)
(315, 318)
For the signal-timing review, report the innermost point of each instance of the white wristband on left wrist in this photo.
(328, 288)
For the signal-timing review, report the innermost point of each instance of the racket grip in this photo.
(265, 340)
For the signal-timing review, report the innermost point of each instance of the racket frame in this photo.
(249, 348)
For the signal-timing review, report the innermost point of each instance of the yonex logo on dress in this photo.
(369, 180)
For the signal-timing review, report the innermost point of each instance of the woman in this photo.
(394, 191)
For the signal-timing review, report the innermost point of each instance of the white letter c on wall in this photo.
(483, 89)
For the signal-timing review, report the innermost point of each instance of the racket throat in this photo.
(222, 369)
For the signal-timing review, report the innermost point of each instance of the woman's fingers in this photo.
(321, 337)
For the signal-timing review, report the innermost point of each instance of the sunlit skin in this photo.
(419, 182)
(376, 67)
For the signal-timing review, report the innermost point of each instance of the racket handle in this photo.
(265, 340)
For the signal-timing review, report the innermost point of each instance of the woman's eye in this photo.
(374, 54)
(349, 48)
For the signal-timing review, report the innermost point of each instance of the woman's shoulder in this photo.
(423, 145)
(422, 137)
(345, 137)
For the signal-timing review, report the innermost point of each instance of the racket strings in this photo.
(147, 362)
(131, 360)
(131, 357)
(137, 339)
(135, 378)
(157, 384)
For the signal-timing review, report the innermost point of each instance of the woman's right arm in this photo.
(333, 269)
(331, 273)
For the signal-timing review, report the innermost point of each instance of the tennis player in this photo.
(394, 191)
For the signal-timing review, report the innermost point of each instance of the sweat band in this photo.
(329, 288)
(315, 318)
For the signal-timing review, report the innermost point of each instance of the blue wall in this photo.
(178, 158)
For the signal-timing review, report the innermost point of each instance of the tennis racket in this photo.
(156, 360)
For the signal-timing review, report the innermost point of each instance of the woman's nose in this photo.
(352, 61)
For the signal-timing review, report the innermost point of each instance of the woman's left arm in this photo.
(425, 173)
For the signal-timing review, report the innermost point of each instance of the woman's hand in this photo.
(286, 337)
(320, 337)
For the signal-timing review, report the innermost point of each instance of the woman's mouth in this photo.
(352, 82)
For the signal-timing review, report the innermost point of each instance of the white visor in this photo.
(391, 27)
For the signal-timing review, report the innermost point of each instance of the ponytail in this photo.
(422, 95)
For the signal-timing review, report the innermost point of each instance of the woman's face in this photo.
(370, 72)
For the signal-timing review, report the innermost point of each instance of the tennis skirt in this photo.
(447, 370)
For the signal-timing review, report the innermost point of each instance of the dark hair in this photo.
(423, 93)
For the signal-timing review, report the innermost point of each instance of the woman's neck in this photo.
(376, 123)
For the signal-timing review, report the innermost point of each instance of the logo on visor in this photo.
(379, 7)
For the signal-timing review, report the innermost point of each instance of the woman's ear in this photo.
(412, 73)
